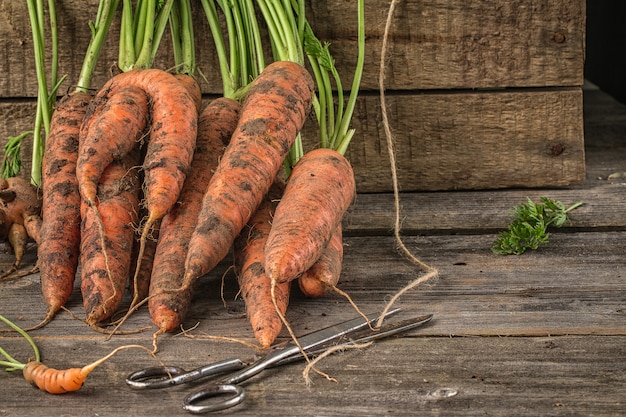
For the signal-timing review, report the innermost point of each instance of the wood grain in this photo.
(445, 141)
(486, 211)
(435, 44)
(556, 376)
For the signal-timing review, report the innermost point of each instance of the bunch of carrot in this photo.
(92, 183)
(153, 191)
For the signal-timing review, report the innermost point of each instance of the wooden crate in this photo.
(483, 94)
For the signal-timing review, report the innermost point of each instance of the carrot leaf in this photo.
(529, 228)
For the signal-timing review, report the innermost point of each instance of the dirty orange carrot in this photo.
(320, 189)
(171, 141)
(107, 238)
(317, 281)
(167, 306)
(273, 112)
(254, 284)
(172, 138)
(20, 220)
(21, 203)
(147, 247)
(59, 244)
(109, 133)
(18, 238)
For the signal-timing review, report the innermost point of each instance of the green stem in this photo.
(42, 116)
(176, 37)
(279, 48)
(182, 37)
(187, 38)
(11, 363)
(126, 52)
(243, 59)
(55, 50)
(242, 47)
(254, 38)
(146, 32)
(100, 29)
(139, 25)
(573, 206)
(344, 137)
(210, 12)
(319, 104)
(12, 161)
(159, 29)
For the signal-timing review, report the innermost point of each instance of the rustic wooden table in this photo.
(538, 334)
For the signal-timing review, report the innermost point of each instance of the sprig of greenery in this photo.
(529, 228)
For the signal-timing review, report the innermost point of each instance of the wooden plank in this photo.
(557, 376)
(571, 286)
(435, 44)
(486, 211)
(472, 141)
(440, 44)
(446, 141)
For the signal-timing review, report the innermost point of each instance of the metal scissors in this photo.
(349, 332)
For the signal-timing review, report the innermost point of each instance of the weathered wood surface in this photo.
(435, 44)
(472, 211)
(444, 141)
(449, 376)
(539, 334)
(571, 286)
(556, 376)
(565, 303)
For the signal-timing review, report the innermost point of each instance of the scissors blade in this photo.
(292, 351)
(386, 330)
(363, 335)
(337, 331)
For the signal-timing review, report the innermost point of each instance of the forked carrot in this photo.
(21, 204)
(254, 284)
(109, 132)
(273, 112)
(319, 191)
(172, 135)
(172, 138)
(58, 249)
(107, 238)
(167, 306)
(325, 272)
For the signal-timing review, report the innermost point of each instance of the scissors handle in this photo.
(167, 376)
(214, 390)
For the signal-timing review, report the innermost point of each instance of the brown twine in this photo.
(430, 272)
